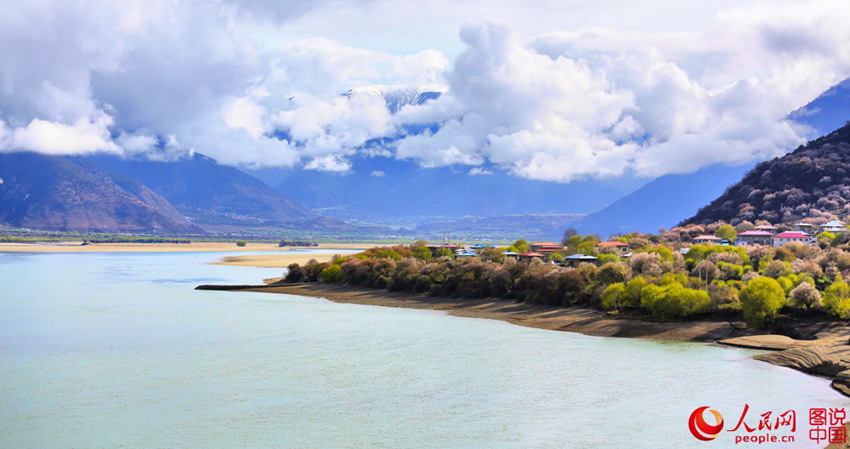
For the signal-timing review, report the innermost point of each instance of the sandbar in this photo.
(78, 247)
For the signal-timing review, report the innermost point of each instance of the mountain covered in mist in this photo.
(812, 181)
(670, 199)
(397, 97)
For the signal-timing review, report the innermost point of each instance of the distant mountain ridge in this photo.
(662, 202)
(828, 112)
(71, 194)
(812, 181)
(219, 197)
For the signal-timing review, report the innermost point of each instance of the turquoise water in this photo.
(119, 351)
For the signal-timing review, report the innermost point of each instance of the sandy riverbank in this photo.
(826, 354)
(575, 319)
(78, 247)
(276, 260)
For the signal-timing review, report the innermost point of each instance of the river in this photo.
(109, 350)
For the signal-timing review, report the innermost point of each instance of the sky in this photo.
(557, 92)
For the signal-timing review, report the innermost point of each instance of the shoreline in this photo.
(828, 354)
(78, 247)
(582, 320)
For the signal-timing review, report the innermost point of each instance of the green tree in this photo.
(614, 296)
(611, 273)
(241, 243)
(568, 234)
(608, 258)
(761, 300)
(633, 291)
(573, 243)
(586, 247)
(836, 299)
(825, 239)
(491, 254)
(521, 246)
(674, 300)
(726, 232)
(422, 253)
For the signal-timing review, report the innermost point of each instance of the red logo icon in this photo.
(702, 430)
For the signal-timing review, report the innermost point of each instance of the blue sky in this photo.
(550, 92)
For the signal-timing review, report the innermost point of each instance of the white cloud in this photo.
(245, 114)
(562, 92)
(477, 171)
(332, 163)
(378, 174)
(138, 142)
(84, 136)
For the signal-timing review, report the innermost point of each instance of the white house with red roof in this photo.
(789, 237)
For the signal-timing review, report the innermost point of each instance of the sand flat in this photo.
(275, 260)
(78, 247)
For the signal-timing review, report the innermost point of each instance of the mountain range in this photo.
(72, 194)
(218, 197)
(195, 194)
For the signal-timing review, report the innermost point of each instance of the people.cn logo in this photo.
(702, 430)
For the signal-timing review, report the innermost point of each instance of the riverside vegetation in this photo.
(758, 283)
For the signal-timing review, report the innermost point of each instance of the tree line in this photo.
(756, 282)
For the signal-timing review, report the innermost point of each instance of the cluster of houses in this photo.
(537, 250)
(762, 235)
(767, 235)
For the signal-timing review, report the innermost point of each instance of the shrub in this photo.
(761, 300)
(241, 243)
(836, 299)
(633, 291)
(611, 273)
(646, 264)
(614, 296)
(722, 293)
(674, 300)
(806, 295)
(332, 275)
(776, 269)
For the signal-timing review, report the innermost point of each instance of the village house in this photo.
(436, 249)
(805, 228)
(619, 248)
(833, 226)
(767, 228)
(788, 237)
(510, 255)
(546, 248)
(529, 256)
(754, 238)
(464, 254)
(577, 259)
(707, 240)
